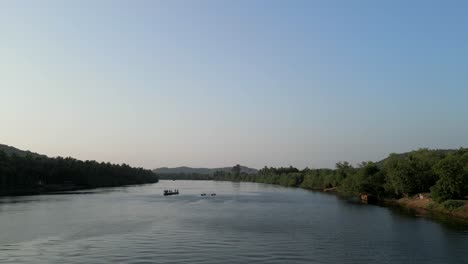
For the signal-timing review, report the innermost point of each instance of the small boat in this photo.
(203, 194)
(213, 194)
(368, 198)
(171, 192)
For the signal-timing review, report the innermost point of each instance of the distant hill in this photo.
(22, 153)
(202, 171)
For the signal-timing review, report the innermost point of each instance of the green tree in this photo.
(236, 170)
(453, 180)
(342, 170)
(412, 173)
(368, 178)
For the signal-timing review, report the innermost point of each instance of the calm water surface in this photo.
(243, 223)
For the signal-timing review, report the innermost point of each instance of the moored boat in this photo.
(368, 198)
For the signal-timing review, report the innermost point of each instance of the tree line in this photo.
(186, 176)
(442, 173)
(36, 173)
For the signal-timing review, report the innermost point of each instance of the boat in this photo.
(203, 194)
(368, 198)
(171, 192)
(213, 194)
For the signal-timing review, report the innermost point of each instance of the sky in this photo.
(215, 83)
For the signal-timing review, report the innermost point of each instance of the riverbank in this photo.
(422, 204)
(43, 189)
(23, 173)
(58, 188)
(455, 209)
(452, 208)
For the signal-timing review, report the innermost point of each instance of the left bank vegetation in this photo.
(33, 174)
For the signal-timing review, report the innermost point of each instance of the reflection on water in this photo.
(244, 222)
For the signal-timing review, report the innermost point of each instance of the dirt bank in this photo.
(427, 204)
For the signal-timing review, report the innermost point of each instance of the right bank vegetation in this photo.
(441, 175)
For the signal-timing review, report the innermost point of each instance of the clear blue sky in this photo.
(215, 83)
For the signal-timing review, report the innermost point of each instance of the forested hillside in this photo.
(37, 173)
(22, 153)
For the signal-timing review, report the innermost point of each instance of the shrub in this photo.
(452, 204)
(453, 179)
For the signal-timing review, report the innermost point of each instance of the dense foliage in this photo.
(452, 174)
(39, 172)
(441, 172)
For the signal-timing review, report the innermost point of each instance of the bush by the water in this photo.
(452, 204)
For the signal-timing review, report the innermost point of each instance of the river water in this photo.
(243, 223)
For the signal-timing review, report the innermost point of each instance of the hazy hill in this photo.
(14, 151)
(203, 171)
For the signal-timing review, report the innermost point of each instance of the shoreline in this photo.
(26, 191)
(427, 206)
(424, 206)
(58, 189)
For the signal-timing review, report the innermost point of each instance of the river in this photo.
(243, 223)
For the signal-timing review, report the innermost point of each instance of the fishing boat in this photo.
(171, 192)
